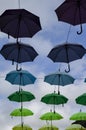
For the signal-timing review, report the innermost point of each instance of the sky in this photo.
(53, 33)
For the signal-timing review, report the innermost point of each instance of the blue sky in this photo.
(53, 33)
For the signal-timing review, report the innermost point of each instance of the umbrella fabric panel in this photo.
(71, 8)
(21, 77)
(81, 99)
(48, 127)
(19, 23)
(21, 96)
(67, 52)
(78, 116)
(19, 127)
(21, 112)
(59, 79)
(51, 116)
(54, 98)
(18, 52)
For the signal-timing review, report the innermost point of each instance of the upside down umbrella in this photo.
(59, 78)
(81, 122)
(19, 127)
(19, 23)
(78, 116)
(72, 12)
(81, 99)
(54, 98)
(67, 53)
(75, 127)
(21, 77)
(48, 127)
(18, 52)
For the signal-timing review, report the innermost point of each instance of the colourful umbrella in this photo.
(19, 127)
(48, 127)
(75, 127)
(81, 99)
(21, 112)
(78, 116)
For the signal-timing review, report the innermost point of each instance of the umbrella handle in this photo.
(80, 30)
(18, 69)
(68, 69)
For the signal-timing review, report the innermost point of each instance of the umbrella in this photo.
(18, 52)
(54, 98)
(21, 96)
(59, 78)
(75, 127)
(51, 116)
(21, 112)
(72, 12)
(48, 127)
(21, 77)
(19, 127)
(19, 23)
(81, 99)
(67, 53)
(78, 116)
(81, 122)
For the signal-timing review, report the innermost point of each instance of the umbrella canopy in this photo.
(78, 116)
(21, 77)
(81, 122)
(21, 112)
(81, 99)
(75, 127)
(19, 127)
(67, 53)
(19, 23)
(21, 96)
(51, 116)
(48, 127)
(72, 12)
(18, 52)
(54, 98)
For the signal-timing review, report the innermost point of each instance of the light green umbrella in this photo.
(48, 127)
(21, 112)
(75, 127)
(78, 116)
(19, 127)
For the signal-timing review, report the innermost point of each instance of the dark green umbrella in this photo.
(59, 78)
(54, 98)
(21, 96)
(81, 99)
(78, 116)
(21, 112)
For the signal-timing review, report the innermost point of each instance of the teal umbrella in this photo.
(78, 116)
(21, 77)
(81, 99)
(54, 98)
(59, 78)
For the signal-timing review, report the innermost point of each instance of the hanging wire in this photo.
(68, 34)
(19, 4)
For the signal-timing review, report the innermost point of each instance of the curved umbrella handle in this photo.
(80, 30)
(68, 69)
(18, 69)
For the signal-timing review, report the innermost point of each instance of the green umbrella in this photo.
(81, 99)
(19, 127)
(78, 116)
(21, 96)
(75, 127)
(21, 112)
(54, 98)
(48, 127)
(59, 78)
(51, 116)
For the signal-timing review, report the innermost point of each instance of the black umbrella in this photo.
(18, 52)
(19, 23)
(67, 53)
(72, 12)
(81, 122)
